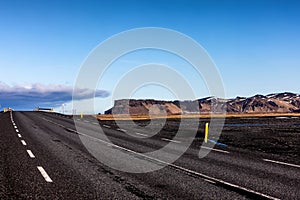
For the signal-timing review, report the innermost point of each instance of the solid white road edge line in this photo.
(30, 154)
(141, 134)
(44, 174)
(166, 139)
(208, 148)
(209, 181)
(23, 142)
(282, 163)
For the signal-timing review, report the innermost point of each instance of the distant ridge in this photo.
(273, 103)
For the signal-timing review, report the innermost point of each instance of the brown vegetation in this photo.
(207, 115)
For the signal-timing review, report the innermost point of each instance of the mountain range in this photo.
(273, 103)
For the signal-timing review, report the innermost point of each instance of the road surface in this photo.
(42, 157)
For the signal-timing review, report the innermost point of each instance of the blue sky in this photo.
(255, 44)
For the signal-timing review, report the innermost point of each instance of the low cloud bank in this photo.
(32, 95)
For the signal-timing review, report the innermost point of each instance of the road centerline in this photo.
(31, 155)
(44, 174)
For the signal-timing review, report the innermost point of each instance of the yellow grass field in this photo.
(228, 115)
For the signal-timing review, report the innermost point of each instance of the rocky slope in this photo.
(272, 103)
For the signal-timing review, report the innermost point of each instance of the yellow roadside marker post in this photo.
(206, 133)
(81, 115)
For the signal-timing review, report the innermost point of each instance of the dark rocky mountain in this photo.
(272, 103)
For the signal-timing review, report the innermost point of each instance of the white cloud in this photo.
(31, 95)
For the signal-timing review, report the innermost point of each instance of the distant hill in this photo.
(272, 103)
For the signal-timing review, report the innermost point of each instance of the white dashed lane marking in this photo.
(30, 154)
(44, 174)
(106, 126)
(23, 142)
(282, 163)
(168, 140)
(119, 129)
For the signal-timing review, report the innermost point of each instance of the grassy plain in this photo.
(205, 115)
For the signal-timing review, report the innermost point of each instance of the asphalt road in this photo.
(42, 157)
